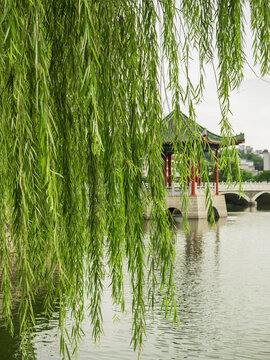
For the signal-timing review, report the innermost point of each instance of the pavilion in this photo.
(212, 141)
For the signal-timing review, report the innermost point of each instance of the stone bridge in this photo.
(197, 204)
(251, 190)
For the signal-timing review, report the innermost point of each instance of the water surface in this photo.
(222, 276)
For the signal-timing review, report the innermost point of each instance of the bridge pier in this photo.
(196, 208)
(252, 203)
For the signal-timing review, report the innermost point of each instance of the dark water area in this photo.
(263, 207)
(236, 207)
(222, 275)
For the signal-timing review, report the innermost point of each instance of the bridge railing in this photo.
(247, 186)
(175, 189)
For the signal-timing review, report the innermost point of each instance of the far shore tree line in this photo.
(263, 175)
(245, 175)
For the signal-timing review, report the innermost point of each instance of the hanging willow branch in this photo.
(80, 113)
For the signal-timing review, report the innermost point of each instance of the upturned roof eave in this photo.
(205, 134)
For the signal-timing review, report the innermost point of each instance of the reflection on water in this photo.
(237, 207)
(9, 346)
(263, 207)
(222, 276)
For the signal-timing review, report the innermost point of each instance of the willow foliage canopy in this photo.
(80, 112)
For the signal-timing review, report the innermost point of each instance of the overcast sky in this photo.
(250, 104)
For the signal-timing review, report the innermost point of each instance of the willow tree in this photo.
(80, 110)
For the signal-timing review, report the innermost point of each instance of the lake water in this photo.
(222, 276)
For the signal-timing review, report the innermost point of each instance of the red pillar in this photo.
(170, 168)
(199, 176)
(216, 172)
(193, 185)
(188, 178)
(164, 156)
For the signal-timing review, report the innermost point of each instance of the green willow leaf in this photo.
(80, 116)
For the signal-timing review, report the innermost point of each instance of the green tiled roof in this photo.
(190, 130)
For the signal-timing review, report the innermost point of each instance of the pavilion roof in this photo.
(188, 126)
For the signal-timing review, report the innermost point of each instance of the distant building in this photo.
(248, 165)
(242, 148)
(245, 148)
(259, 153)
(266, 160)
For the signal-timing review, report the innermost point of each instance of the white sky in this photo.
(250, 104)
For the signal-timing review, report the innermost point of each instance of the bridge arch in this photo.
(216, 214)
(255, 197)
(174, 212)
(235, 194)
